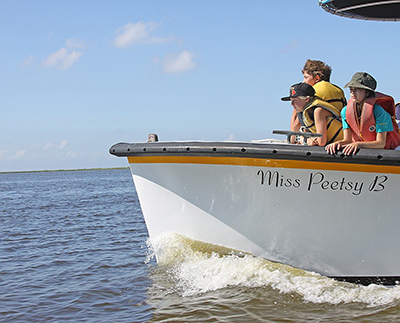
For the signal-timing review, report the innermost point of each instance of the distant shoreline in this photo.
(61, 170)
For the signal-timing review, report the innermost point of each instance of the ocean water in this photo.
(74, 248)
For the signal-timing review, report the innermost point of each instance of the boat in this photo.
(293, 204)
(335, 215)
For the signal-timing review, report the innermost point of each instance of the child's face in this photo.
(311, 80)
(357, 94)
(298, 104)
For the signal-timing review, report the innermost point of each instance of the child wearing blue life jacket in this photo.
(366, 124)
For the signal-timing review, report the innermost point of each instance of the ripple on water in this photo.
(68, 250)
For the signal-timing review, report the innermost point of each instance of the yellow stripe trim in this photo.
(277, 163)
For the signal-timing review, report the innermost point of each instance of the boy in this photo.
(317, 74)
(315, 115)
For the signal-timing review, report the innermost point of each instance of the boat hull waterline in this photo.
(299, 206)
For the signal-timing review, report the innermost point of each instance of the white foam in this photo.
(199, 268)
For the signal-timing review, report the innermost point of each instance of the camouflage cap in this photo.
(362, 80)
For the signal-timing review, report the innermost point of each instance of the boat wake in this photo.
(196, 268)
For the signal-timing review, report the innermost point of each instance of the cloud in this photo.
(28, 61)
(289, 47)
(19, 154)
(140, 32)
(179, 63)
(75, 43)
(72, 154)
(66, 56)
(62, 59)
(61, 145)
(58, 155)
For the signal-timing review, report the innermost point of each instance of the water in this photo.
(73, 247)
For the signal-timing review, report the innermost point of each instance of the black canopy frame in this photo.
(384, 10)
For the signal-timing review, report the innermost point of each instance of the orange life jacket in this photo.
(365, 129)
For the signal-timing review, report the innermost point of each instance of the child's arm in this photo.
(380, 142)
(294, 125)
(335, 146)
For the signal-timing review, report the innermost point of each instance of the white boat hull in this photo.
(339, 220)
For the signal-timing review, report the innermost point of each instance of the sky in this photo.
(78, 76)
